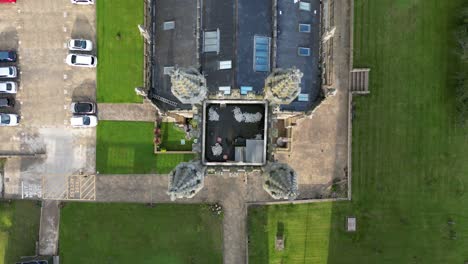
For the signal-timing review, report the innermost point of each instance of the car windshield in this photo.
(83, 107)
(10, 70)
(5, 119)
(92, 60)
(86, 120)
(80, 43)
(73, 59)
(9, 86)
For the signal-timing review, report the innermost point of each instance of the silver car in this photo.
(9, 120)
(8, 87)
(8, 72)
(81, 60)
(80, 44)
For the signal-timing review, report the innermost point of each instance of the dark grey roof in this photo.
(238, 22)
(176, 47)
(254, 19)
(219, 15)
(289, 39)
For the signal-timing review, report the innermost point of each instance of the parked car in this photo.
(83, 121)
(83, 108)
(7, 102)
(9, 119)
(8, 72)
(7, 1)
(81, 60)
(7, 56)
(83, 2)
(80, 44)
(8, 87)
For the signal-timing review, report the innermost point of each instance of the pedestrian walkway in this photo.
(127, 112)
(49, 228)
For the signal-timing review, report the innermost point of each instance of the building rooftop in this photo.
(174, 44)
(290, 39)
(232, 44)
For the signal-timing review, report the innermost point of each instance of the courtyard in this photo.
(127, 147)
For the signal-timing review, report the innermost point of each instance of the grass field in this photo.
(136, 233)
(19, 230)
(127, 148)
(410, 169)
(120, 50)
(171, 136)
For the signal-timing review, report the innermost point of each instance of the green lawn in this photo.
(120, 50)
(127, 148)
(171, 136)
(19, 230)
(135, 233)
(410, 175)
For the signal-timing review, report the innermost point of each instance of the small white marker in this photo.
(65, 14)
(64, 29)
(65, 92)
(65, 76)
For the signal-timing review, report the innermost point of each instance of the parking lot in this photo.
(39, 30)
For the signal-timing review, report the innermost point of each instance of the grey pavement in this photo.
(49, 228)
(127, 112)
(39, 30)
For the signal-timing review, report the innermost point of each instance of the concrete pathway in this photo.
(127, 112)
(49, 228)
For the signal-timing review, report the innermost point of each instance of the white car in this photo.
(9, 120)
(83, 121)
(80, 44)
(83, 2)
(81, 60)
(8, 87)
(8, 72)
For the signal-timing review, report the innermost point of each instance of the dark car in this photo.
(7, 56)
(7, 102)
(83, 108)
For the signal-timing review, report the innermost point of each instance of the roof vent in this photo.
(304, 6)
(225, 65)
(169, 25)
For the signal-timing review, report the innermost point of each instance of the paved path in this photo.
(127, 112)
(49, 228)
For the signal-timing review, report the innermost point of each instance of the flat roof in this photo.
(232, 128)
(254, 19)
(290, 39)
(233, 26)
(173, 47)
(219, 15)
